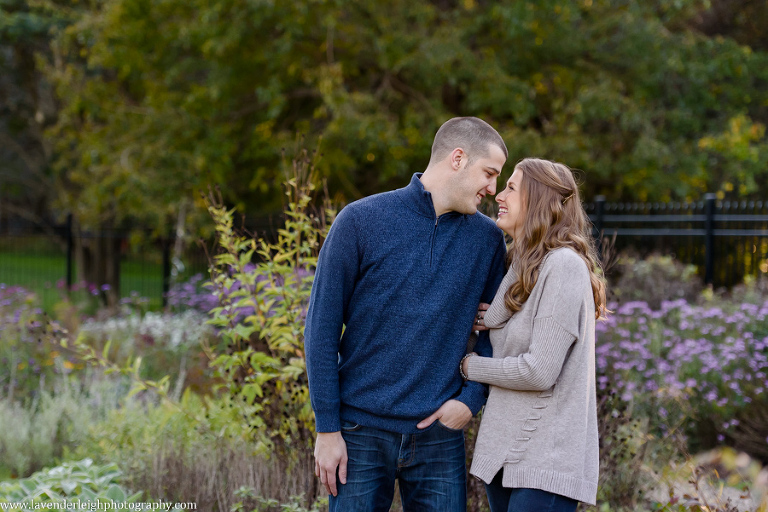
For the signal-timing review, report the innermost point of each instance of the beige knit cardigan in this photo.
(540, 422)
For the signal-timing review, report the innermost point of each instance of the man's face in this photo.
(474, 181)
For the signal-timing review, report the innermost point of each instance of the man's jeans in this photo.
(506, 499)
(429, 466)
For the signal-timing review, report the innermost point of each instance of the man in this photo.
(396, 291)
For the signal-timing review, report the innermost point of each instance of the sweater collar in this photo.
(418, 199)
(498, 314)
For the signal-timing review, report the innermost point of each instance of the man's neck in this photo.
(434, 184)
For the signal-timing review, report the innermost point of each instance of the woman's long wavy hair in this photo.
(552, 218)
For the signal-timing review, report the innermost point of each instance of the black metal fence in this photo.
(726, 240)
(43, 257)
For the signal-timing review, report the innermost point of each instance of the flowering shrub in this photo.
(192, 294)
(177, 331)
(653, 279)
(82, 299)
(263, 290)
(27, 358)
(169, 344)
(682, 362)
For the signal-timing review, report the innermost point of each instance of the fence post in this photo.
(599, 215)
(709, 238)
(70, 250)
(166, 269)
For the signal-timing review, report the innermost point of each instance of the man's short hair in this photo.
(471, 134)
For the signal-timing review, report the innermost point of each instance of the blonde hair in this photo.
(553, 217)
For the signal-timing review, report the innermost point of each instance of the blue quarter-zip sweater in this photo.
(392, 306)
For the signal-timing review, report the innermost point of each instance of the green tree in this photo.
(27, 107)
(161, 98)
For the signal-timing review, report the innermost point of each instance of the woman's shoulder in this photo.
(566, 261)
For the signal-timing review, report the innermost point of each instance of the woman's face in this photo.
(510, 218)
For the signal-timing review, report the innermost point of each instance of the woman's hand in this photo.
(479, 323)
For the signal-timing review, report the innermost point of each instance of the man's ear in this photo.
(458, 158)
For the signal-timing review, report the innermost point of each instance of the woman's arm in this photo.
(565, 287)
(536, 370)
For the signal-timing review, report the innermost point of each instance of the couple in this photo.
(400, 356)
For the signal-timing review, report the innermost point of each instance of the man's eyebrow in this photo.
(495, 170)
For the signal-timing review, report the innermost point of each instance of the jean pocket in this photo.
(349, 426)
(449, 429)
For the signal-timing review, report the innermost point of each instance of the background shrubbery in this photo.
(208, 402)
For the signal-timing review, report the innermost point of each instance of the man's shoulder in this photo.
(484, 220)
(371, 207)
(487, 226)
(374, 202)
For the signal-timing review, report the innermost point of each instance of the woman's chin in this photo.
(505, 230)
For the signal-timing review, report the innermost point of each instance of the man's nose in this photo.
(492, 187)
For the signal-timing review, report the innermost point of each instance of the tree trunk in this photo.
(98, 262)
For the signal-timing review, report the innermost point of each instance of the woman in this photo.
(537, 447)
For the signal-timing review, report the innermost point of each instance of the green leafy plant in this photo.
(263, 289)
(169, 343)
(41, 431)
(251, 502)
(73, 480)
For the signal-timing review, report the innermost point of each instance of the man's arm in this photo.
(474, 394)
(335, 276)
(456, 413)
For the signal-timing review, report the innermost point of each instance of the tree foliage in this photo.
(27, 107)
(160, 98)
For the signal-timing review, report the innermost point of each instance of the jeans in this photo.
(429, 466)
(507, 499)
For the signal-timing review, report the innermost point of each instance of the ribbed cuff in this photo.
(473, 395)
(327, 422)
(484, 369)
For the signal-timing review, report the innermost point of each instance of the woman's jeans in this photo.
(507, 499)
(429, 466)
